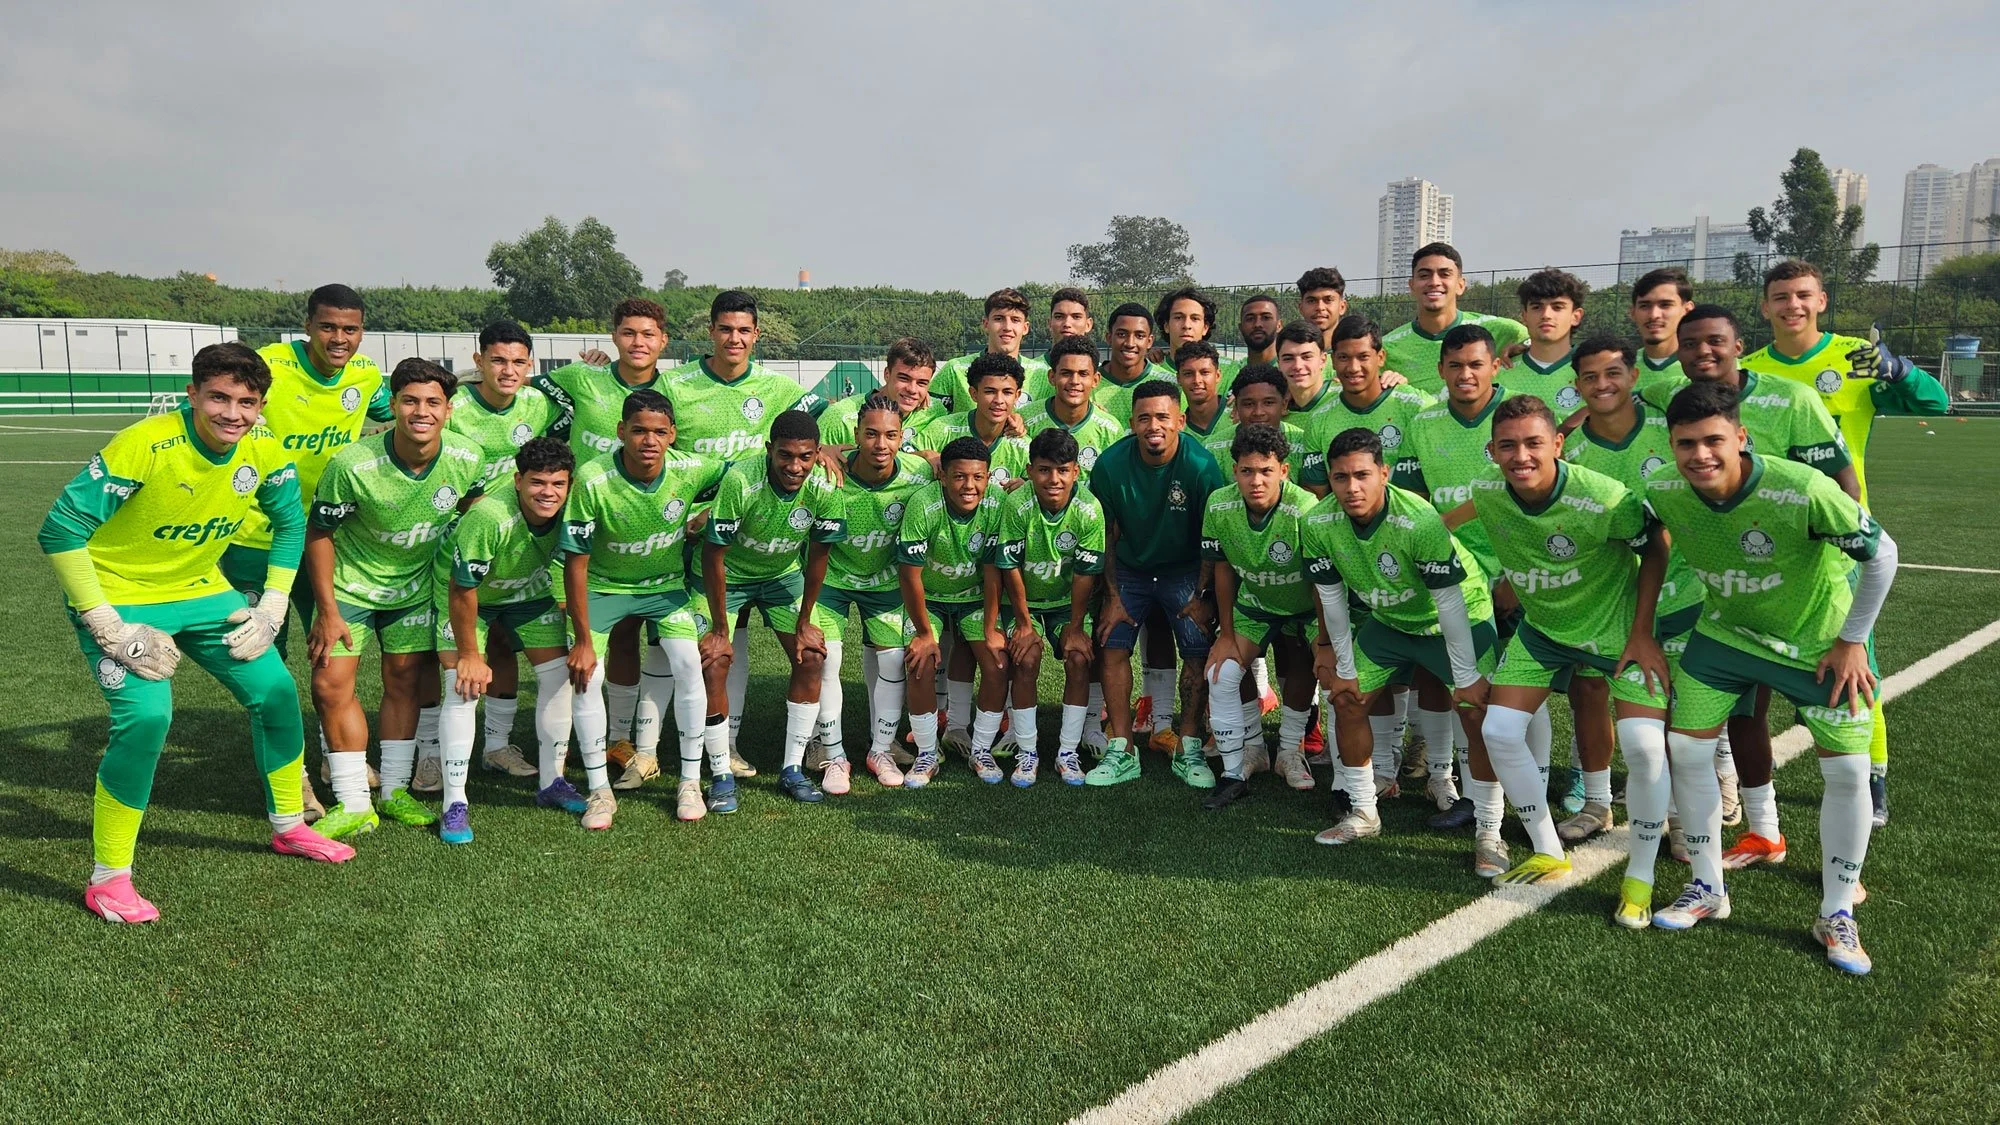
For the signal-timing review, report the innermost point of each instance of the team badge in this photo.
(973, 544)
(110, 673)
(521, 433)
(1391, 435)
(800, 519)
(1387, 564)
(1827, 382)
(1649, 466)
(700, 623)
(1066, 542)
(445, 498)
(893, 514)
(1281, 552)
(1001, 476)
(672, 512)
(350, 399)
(1486, 453)
(1568, 399)
(753, 408)
(244, 480)
(1177, 496)
(1087, 457)
(1757, 543)
(1561, 546)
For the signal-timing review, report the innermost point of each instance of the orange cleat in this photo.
(1751, 848)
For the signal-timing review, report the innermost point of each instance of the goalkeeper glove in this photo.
(1873, 361)
(256, 627)
(149, 653)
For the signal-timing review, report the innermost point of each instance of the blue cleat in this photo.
(457, 825)
(722, 794)
(793, 783)
(560, 794)
(1572, 801)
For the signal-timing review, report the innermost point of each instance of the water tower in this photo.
(805, 279)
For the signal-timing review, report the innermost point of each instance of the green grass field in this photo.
(965, 953)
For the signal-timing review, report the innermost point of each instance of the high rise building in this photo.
(1707, 251)
(1933, 219)
(1412, 213)
(1978, 202)
(1850, 189)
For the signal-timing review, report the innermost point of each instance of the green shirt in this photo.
(765, 528)
(499, 434)
(1783, 419)
(1630, 461)
(952, 393)
(1157, 509)
(1050, 548)
(841, 422)
(1218, 441)
(313, 416)
(1094, 434)
(951, 548)
(1449, 452)
(873, 515)
(1267, 552)
(386, 521)
(1651, 372)
(1389, 418)
(1413, 353)
(495, 550)
(1007, 455)
(1115, 398)
(1571, 558)
(1554, 384)
(634, 532)
(728, 417)
(590, 402)
(1391, 564)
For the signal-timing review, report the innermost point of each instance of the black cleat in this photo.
(1227, 791)
(1459, 815)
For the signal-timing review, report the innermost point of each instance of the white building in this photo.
(1707, 251)
(1933, 198)
(1850, 189)
(1978, 200)
(1412, 213)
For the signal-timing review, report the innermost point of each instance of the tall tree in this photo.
(555, 273)
(675, 279)
(1137, 251)
(1807, 221)
(23, 293)
(37, 261)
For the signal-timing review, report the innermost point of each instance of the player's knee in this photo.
(143, 731)
(1506, 730)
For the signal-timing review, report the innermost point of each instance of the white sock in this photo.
(1227, 716)
(621, 704)
(1093, 710)
(1698, 800)
(1160, 684)
(1489, 806)
(1291, 727)
(1597, 786)
(1262, 670)
(1359, 782)
(399, 760)
(1461, 749)
(885, 695)
(985, 728)
(656, 694)
(1023, 720)
(1526, 786)
(1646, 791)
(958, 704)
(427, 731)
(554, 700)
(689, 701)
(500, 711)
(1845, 817)
(923, 732)
(738, 683)
(871, 670)
(1760, 809)
(458, 724)
(1436, 729)
(1388, 753)
(715, 742)
(1074, 715)
(590, 722)
(1402, 705)
(1725, 758)
(832, 697)
(349, 771)
(1540, 733)
(800, 718)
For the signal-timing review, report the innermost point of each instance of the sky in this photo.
(936, 144)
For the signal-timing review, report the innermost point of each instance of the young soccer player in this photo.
(1131, 342)
(1552, 308)
(1437, 281)
(377, 516)
(1004, 320)
(492, 579)
(1200, 371)
(1772, 541)
(1184, 315)
(906, 380)
(1251, 535)
(624, 527)
(1363, 400)
(1428, 608)
(1660, 298)
(1071, 405)
(766, 511)
(1449, 440)
(1051, 552)
(1257, 398)
(948, 532)
(1322, 301)
(1069, 317)
(135, 540)
(994, 392)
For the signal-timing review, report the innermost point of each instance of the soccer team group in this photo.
(1434, 527)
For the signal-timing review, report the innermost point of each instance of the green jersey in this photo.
(495, 550)
(1571, 559)
(1389, 418)
(499, 434)
(1218, 441)
(313, 416)
(1413, 353)
(590, 402)
(951, 548)
(386, 520)
(1157, 509)
(1392, 563)
(841, 422)
(1094, 434)
(1007, 455)
(1050, 548)
(1773, 558)
(873, 515)
(765, 528)
(1630, 461)
(1653, 371)
(1267, 552)
(952, 393)
(727, 417)
(1449, 452)
(156, 507)
(1783, 418)
(1115, 398)
(634, 532)
(1554, 384)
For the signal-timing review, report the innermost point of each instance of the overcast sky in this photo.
(938, 144)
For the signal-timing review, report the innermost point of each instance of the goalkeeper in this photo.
(136, 540)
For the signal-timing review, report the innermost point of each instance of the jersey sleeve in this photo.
(559, 395)
(1815, 439)
(1312, 467)
(1211, 536)
(472, 549)
(1625, 519)
(1317, 552)
(913, 536)
(1432, 549)
(829, 511)
(1089, 557)
(94, 495)
(378, 404)
(334, 500)
(579, 524)
(1919, 392)
(1838, 518)
(1013, 536)
(727, 517)
(836, 427)
(279, 499)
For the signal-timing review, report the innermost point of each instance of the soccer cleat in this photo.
(339, 823)
(984, 766)
(116, 900)
(1414, 764)
(1142, 714)
(1387, 788)
(902, 754)
(1025, 764)
(1227, 791)
(1118, 765)
(1537, 868)
(921, 771)
(618, 755)
(599, 809)
(1489, 856)
(1268, 702)
(722, 794)
(793, 783)
(1292, 767)
(1458, 816)
(1677, 845)
(1166, 740)
(428, 776)
(1751, 848)
(1573, 801)
(815, 754)
(640, 770)
(326, 774)
(1095, 741)
(405, 809)
(1354, 826)
(1442, 791)
(955, 741)
(1635, 904)
(1256, 756)
(838, 778)
(456, 828)
(313, 809)
(1697, 901)
(1841, 935)
(688, 802)
(1878, 796)
(509, 760)
(560, 794)
(882, 763)
(1593, 818)
(1732, 800)
(1314, 743)
(1069, 767)
(738, 767)
(1191, 767)
(305, 843)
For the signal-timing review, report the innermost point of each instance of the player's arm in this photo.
(1113, 610)
(1442, 575)
(910, 556)
(1641, 647)
(565, 406)
(573, 543)
(1333, 653)
(462, 605)
(378, 404)
(333, 503)
(1816, 441)
(1216, 571)
(1897, 385)
(1458, 517)
(1841, 521)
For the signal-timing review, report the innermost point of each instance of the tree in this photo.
(37, 261)
(675, 279)
(1137, 251)
(554, 273)
(1808, 222)
(33, 295)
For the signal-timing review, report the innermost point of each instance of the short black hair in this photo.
(415, 370)
(1598, 344)
(1550, 283)
(1071, 294)
(1259, 438)
(732, 301)
(1354, 326)
(505, 332)
(1187, 293)
(1255, 373)
(1259, 299)
(794, 425)
(1155, 388)
(1355, 439)
(1523, 406)
(877, 401)
(1055, 445)
(333, 297)
(1712, 312)
(646, 398)
(1700, 401)
(1436, 250)
(1665, 275)
(1299, 332)
(967, 448)
(1466, 335)
(1322, 277)
(232, 360)
(1131, 308)
(1196, 349)
(1069, 346)
(988, 364)
(545, 455)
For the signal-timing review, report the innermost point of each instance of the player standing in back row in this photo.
(1437, 281)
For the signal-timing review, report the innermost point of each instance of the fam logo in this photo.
(753, 408)
(520, 434)
(672, 512)
(893, 514)
(110, 673)
(1176, 495)
(800, 519)
(1757, 543)
(1561, 546)
(1087, 457)
(244, 480)
(1387, 564)
(1281, 552)
(1568, 399)
(1066, 541)
(1391, 435)
(350, 399)
(1650, 466)
(445, 498)
(1827, 382)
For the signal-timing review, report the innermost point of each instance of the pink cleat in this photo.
(835, 779)
(308, 844)
(118, 901)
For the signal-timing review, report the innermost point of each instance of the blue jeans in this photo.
(1141, 592)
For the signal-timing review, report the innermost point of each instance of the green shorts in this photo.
(1532, 660)
(1384, 655)
(245, 569)
(1052, 620)
(965, 620)
(1714, 677)
(884, 624)
(535, 623)
(776, 600)
(666, 614)
(1673, 631)
(1262, 629)
(410, 628)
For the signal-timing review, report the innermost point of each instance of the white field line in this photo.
(41, 462)
(1180, 1086)
(10, 431)
(1953, 569)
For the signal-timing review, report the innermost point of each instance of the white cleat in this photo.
(1732, 800)
(1697, 901)
(1489, 857)
(597, 814)
(837, 781)
(428, 776)
(1442, 791)
(509, 760)
(1841, 935)
(1354, 826)
(1292, 765)
(644, 768)
(882, 763)
(1256, 757)
(688, 801)
(1592, 818)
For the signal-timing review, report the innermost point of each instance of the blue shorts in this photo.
(1169, 592)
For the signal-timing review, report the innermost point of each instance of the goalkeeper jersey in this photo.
(1050, 548)
(1388, 418)
(1266, 552)
(495, 550)
(865, 559)
(590, 402)
(156, 507)
(313, 416)
(727, 417)
(1393, 562)
(1413, 353)
(634, 531)
(501, 433)
(386, 521)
